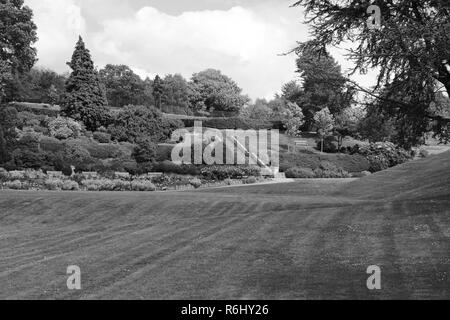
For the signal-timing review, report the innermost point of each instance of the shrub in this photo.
(91, 185)
(69, 185)
(35, 174)
(137, 185)
(53, 184)
(330, 145)
(24, 158)
(230, 123)
(170, 167)
(102, 137)
(164, 153)
(300, 173)
(4, 175)
(135, 122)
(424, 153)
(145, 150)
(250, 180)
(14, 185)
(330, 170)
(76, 154)
(196, 183)
(228, 182)
(103, 151)
(229, 172)
(29, 141)
(382, 155)
(361, 174)
(50, 144)
(64, 128)
(16, 175)
(350, 163)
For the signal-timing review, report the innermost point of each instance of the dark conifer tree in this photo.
(85, 98)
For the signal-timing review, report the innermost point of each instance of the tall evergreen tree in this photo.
(85, 98)
(158, 91)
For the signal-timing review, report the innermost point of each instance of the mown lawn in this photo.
(301, 240)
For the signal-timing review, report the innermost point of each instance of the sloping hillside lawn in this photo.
(310, 239)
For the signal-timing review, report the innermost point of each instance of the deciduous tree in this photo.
(17, 36)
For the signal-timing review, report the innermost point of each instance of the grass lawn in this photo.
(300, 240)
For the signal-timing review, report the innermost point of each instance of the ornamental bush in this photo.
(102, 137)
(300, 173)
(382, 155)
(14, 185)
(229, 172)
(137, 185)
(64, 128)
(196, 183)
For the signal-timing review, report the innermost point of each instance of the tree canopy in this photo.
(214, 91)
(123, 86)
(17, 36)
(323, 85)
(411, 50)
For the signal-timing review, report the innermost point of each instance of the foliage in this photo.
(123, 86)
(175, 92)
(211, 90)
(196, 183)
(142, 186)
(350, 163)
(69, 185)
(170, 167)
(8, 135)
(376, 126)
(323, 86)
(38, 85)
(64, 128)
(324, 122)
(260, 110)
(294, 120)
(424, 153)
(17, 35)
(158, 91)
(250, 180)
(145, 150)
(85, 98)
(76, 154)
(135, 122)
(230, 123)
(382, 155)
(411, 51)
(327, 170)
(329, 144)
(102, 137)
(346, 124)
(229, 172)
(300, 173)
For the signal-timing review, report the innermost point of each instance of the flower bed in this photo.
(37, 180)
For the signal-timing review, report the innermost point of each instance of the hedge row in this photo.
(229, 123)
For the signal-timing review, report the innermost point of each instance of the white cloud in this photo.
(243, 43)
(59, 24)
(235, 41)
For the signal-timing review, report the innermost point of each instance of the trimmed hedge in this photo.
(229, 123)
(229, 172)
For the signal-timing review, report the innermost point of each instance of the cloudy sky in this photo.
(242, 38)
